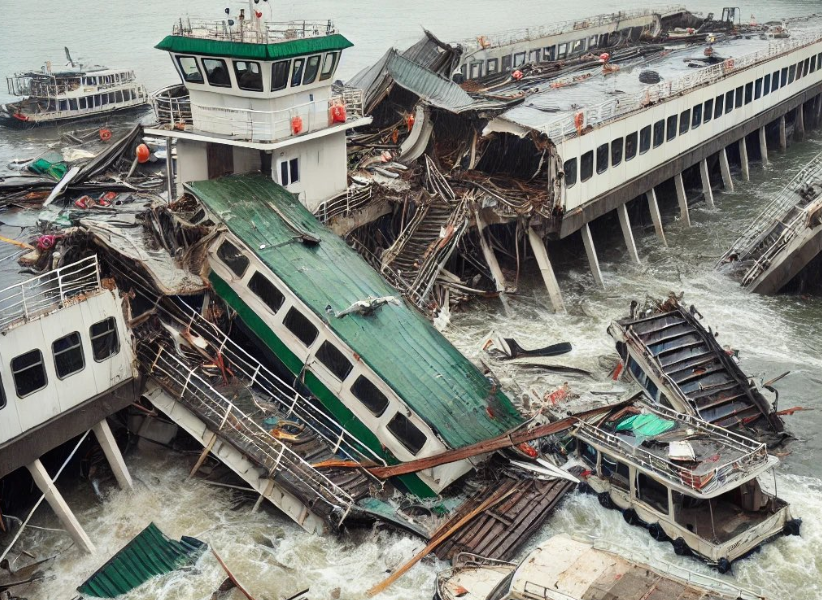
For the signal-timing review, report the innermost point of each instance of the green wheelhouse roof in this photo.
(433, 378)
(286, 49)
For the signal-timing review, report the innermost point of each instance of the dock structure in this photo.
(551, 144)
(782, 240)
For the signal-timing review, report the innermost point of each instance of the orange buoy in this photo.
(105, 135)
(297, 125)
(579, 121)
(338, 113)
(517, 75)
(143, 153)
(409, 121)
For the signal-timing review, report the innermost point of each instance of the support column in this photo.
(625, 224)
(115, 458)
(169, 171)
(682, 198)
(588, 241)
(783, 135)
(491, 259)
(743, 159)
(59, 506)
(819, 110)
(725, 168)
(799, 123)
(653, 206)
(706, 183)
(763, 146)
(541, 254)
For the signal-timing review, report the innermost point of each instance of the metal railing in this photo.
(354, 198)
(569, 125)
(51, 291)
(754, 454)
(288, 399)
(512, 36)
(240, 429)
(251, 30)
(775, 213)
(172, 106)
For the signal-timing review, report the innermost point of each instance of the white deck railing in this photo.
(251, 30)
(233, 424)
(600, 114)
(48, 292)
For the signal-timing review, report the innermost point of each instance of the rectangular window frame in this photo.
(684, 121)
(74, 346)
(719, 106)
(94, 337)
(569, 170)
(334, 360)
(295, 318)
(645, 139)
(602, 158)
(729, 101)
(329, 65)
(266, 291)
(758, 89)
(17, 370)
(279, 75)
(492, 66)
(210, 72)
(232, 261)
(696, 116)
(616, 151)
(519, 59)
(312, 68)
(775, 81)
(586, 166)
(671, 127)
(708, 113)
(246, 82)
(297, 66)
(748, 93)
(370, 396)
(659, 133)
(631, 146)
(190, 76)
(393, 426)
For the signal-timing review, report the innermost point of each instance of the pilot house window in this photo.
(279, 75)
(104, 340)
(300, 326)
(570, 170)
(586, 169)
(231, 257)
(68, 355)
(189, 69)
(249, 76)
(312, 67)
(297, 72)
(28, 372)
(217, 72)
(329, 64)
(266, 291)
(334, 360)
(368, 393)
(407, 433)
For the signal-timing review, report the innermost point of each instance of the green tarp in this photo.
(42, 166)
(149, 554)
(284, 49)
(645, 425)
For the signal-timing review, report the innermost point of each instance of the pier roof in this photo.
(440, 384)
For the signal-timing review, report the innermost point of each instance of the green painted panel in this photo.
(397, 342)
(286, 49)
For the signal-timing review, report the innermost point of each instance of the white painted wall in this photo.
(323, 168)
(192, 163)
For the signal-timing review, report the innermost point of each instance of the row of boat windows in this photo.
(109, 79)
(249, 76)
(479, 68)
(94, 101)
(331, 357)
(611, 155)
(29, 372)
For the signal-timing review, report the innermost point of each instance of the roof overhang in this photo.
(242, 50)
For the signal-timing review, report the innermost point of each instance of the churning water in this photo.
(270, 554)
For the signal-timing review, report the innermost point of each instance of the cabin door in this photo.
(220, 160)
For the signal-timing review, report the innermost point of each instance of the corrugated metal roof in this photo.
(431, 376)
(424, 53)
(429, 86)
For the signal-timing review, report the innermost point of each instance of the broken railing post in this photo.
(682, 198)
(548, 276)
(625, 224)
(706, 183)
(656, 217)
(725, 168)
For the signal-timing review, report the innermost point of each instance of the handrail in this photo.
(251, 30)
(233, 423)
(53, 290)
(568, 125)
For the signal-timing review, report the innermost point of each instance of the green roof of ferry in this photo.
(440, 384)
(286, 49)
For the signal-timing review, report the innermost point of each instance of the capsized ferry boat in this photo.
(74, 91)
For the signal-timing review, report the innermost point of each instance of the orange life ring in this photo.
(105, 135)
(579, 121)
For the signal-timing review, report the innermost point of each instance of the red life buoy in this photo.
(729, 64)
(517, 75)
(297, 125)
(338, 113)
(579, 121)
(105, 135)
(20, 117)
(410, 120)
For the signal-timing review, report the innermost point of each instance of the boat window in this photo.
(696, 116)
(592, 42)
(68, 355)
(670, 127)
(216, 72)
(549, 53)
(729, 100)
(289, 171)
(792, 74)
(104, 339)
(630, 145)
(813, 64)
(719, 105)
(519, 59)
(82, 103)
(748, 94)
(279, 75)
(775, 81)
(407, 433)
(297, 72)
(368, 393)
(73, 104)
(231, 257)
(766, 85)
(266, 291)
(758, 89)
(249, 76)
(300, 326)
(684, 121)
(659, 133)
(119, 95)
(492, 66)
(506, 63)
(475, 70)
(784, 78)
(189, 69)
(570, 170)
(2, 395)
(111, 98)
(652, 493)
(329, 65)
(618, 472)
(562, 51)
(334, 360)
(644, 139)
(616, 152)
(312, 67)
(533, 56)
(602, 158)
(63, 105)
(97, 100)
(802, 69)
(708, 114)
(577, 46)
(586, 166)
(588, 453)
(29, 373)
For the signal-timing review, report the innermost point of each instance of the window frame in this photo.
(225, 262)
(325, 356)
(658, 137)
(602, 150)
(16, 371)
(748, 93)
(696, 116)
(398, 416)
(519, 59)
(719, 106)
(758, 89)
(256, 284)
(311, 73)
(335, 58)
(570, 181)
(685, 121)
(356, 389)
(631, 156)
(284, 76)
(586, 166)
(297, 68)
(93, 337)
(708, 112)
(492, 66)
(617, 150)
(55, 354)
(208, 74)
(645, 139)
(671, 128)
(179, 58)
(238, 76)
(305, 321)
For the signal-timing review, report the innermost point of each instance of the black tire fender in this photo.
(656, 531)
(630, 516)
(605, 500)
(723, 565)
(681, 547)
